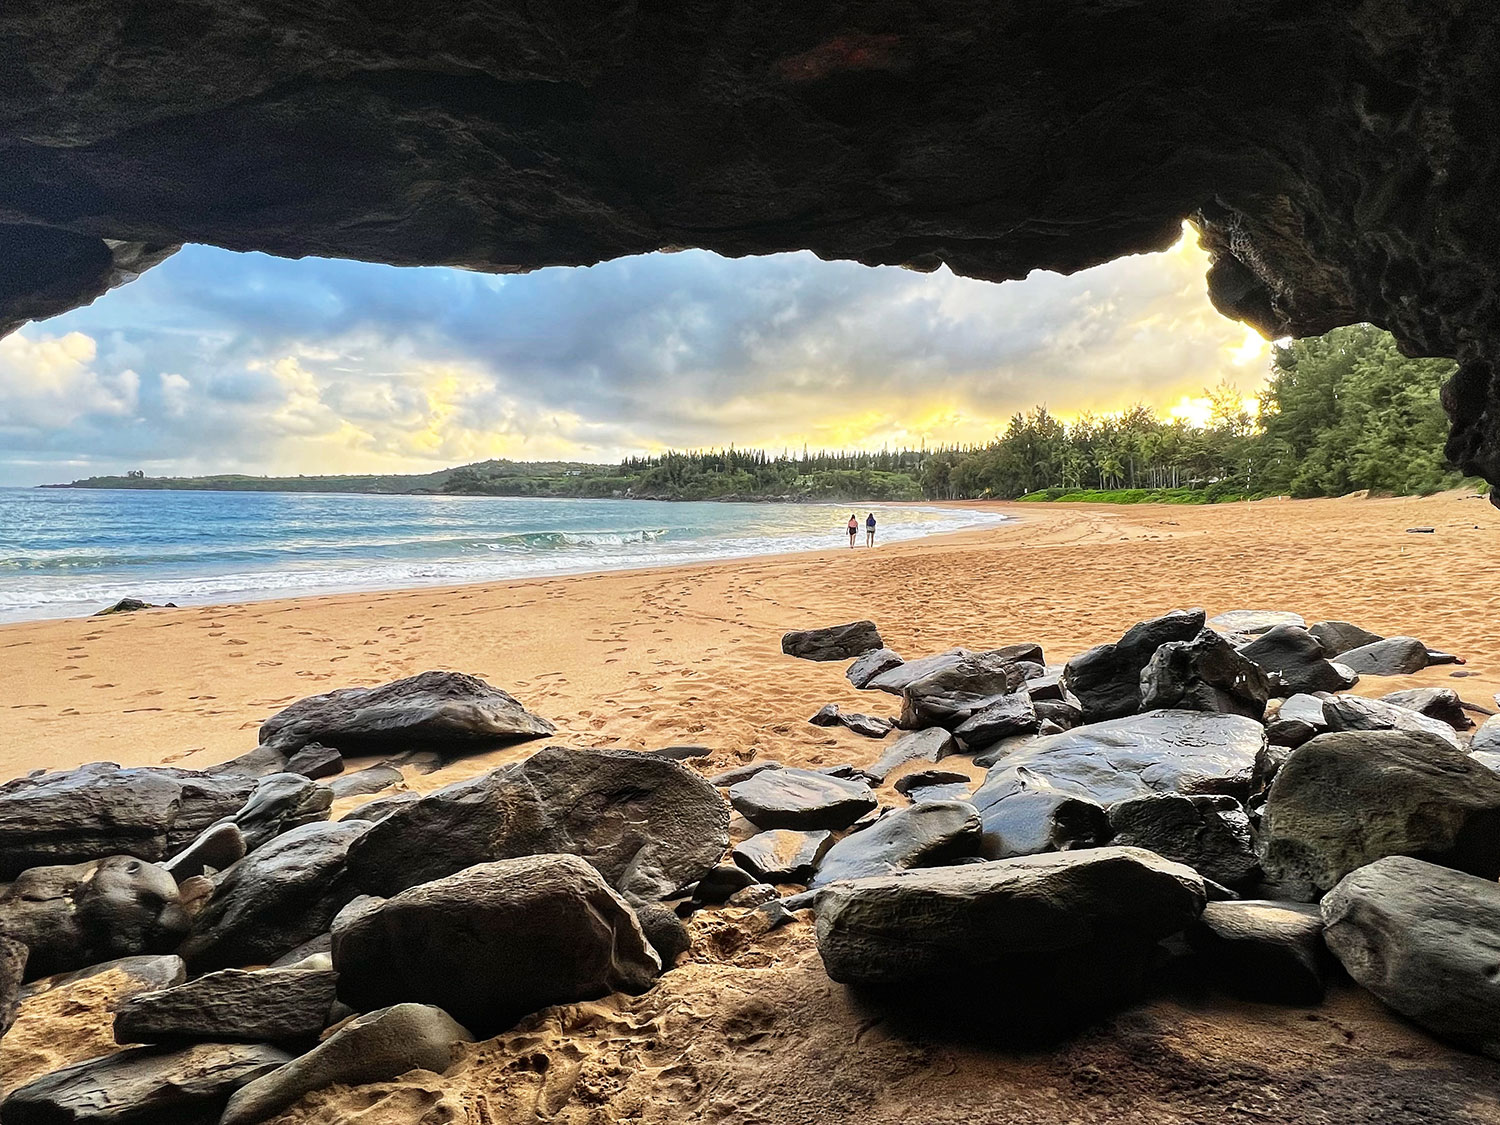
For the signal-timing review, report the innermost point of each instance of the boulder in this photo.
(949, 696)
(1338, 637)
(1262, 950)
(101, 809)
(925, 785)
(495, 942)
(1298, 661)
(871, 726)
(126, 605)
(1393, 656)
(232, 1005)
(221, 845)
(1057, 715)
(1422, 938)
(1348, 798)
(1253, 621)
(1055, 933)
(1354, 712)
(376, 1047)
(1438, 703)
(1107, 678)
(446, 712)
(1486, 739)
(315, 760)
(720, 884)
(925, 835)
(1159, 752)
(1035, 817)
(1210, 834)
(260, 762)
(380, 807)
(895, 679)
(131, 975)
(742, 773)
(12, 973)
(932, 744)
(362, 782)
(833, 642)
(1009, 714)
(276, 898)
(648, 824)
(665, 931)
(1204, 674)
(783, 855)
(792, 798)
(279, 803)
(870, 665)
(146, 1085)
(1298, 718)
(74, 915)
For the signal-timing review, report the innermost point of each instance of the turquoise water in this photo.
(70, 552)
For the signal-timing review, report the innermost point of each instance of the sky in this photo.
(224, 362)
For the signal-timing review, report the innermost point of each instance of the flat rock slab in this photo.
(833, 642)
(315, 761)
(1393, 656)
(650, 825)
(232, 1005)
(1158, 752)
(895, 679)
(1262, 950)
(495, 942)
(1438, 703)
(1253, 621)
(369, 780)
(783, 855)
(1037, 817)
(1353, 712)
(870, 665)
(447, 712)
(930, 745)
(793, 798)
(1015, 713)
(924, 835)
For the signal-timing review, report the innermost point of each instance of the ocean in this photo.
(70, 552)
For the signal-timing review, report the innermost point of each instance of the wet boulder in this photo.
(1354, 712)
(380, 807)
(1204, 674)
(650, 825)
(833, 642)
(1033, 816)
(934, 785)
(372, 779)
(1338, 637)
(1297, 660)
(1015, 713)
(1422, 938)
(931, 744)
(1263, 950)
(871, 726)
(1348, 798)
(221, 845)
(1107, 678)
(783, 855)
(447, 712)
(495, 942)
(949, 696)
(1298, 718)
(12, 972)
(895, 678)
(793, 798)
(279, 803)
(1393, 656)
(316, 761)
(1438, 703)
(232, 1005)
(1210, 834)
(925, 835)
(871, 665)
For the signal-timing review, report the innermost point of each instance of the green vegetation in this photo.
(1342, 412)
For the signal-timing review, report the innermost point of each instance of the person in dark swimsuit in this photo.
(870, 530)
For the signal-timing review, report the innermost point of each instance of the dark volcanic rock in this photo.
(783, 855)
(870, 665)
(925, 835)
(1394, 656)
(1348, 798)
(1353, 712)
(790, 798)
(895, 679)
(1035, 817)
(127, 976)
(1210, 834)
(496, 941)
(1438, 703)
(1298, 718)
(448, 712)
(1251, 622)
(12, 973)
(1204, 674)
(648, 824)
(149, 1085)
(1422, 938)
(833, 642)
(1263, 950)
(742, 773)
(72, 916)
(1010, 714)
(1338, 637)
(101, 809)
(829, 715)
(275, 898)
(376, 1047)
(1298, 660)
(665, 931)
(315, 760)
(930, 745)
(1107, 678)
(380, 807)
(718, 885)
(948, 696)
(260, 762)
(370, 780)
(921, 785)
(279, 803)
(220, 846)
(232, 1005)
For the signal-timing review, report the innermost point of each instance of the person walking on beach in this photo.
(853, 529)
(870, 530)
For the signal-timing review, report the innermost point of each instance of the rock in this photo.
(648, 824)
(135, 974)
(100, 809)
(680, 753)
(1297, 659)
(1440, 703)
(1107, 678)
(380, 807)
(870, 726)
(1009, 714)
(1048, 686)
(1204, 674)
(870, 665)
(1348, 798)
(1338, 637)
(949, 696)
(376, 1047)
(932, 744)
(783, 855)
(221, 845)
(833, 642)
(1486, 739)
(1394, 656)
(149, 1085)
(718, 885)
(1008, 746)
(447, 712)
(361, 782)
(1422, 938)
(757, 894)
(1210, 834)
(260, 762)
(315, 760)
(1261, 950)
(1353, 712)
(1253, 621)
(495, 942)
(1027, 652)
(925, 835)
(909, 783)
(1064, 932)
(276, 898)
(895, 679)
(279, 803)
(742, 773)
(1035, 817)
(665, 931)
(232, 1005)
(791, 798)
(1057, 715)
(127, 605)
(827, 716)
(12, 973)
(312, 953)
(71, 916)
(1159, 752)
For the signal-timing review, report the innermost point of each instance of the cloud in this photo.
(256, 364)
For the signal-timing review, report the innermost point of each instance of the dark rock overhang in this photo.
(1341, 159)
